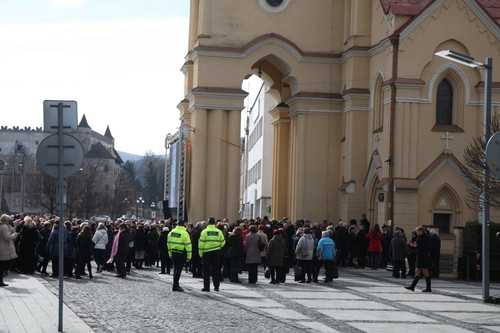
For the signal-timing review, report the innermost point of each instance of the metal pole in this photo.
(488, 65)
(60, 134)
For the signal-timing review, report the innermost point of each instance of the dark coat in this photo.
(234, 246)
(28, 241)
(153, 243)
(84, 248)
(123, 243)
(41, 248)
(141, 240)
(71, 243)
(435, 247)
(423, 260)
(398, 248)
(362, 241)
(276, 251)
(53, 242)
(109, 246)
(162, 244)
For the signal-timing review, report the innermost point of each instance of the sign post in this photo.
(52, 160)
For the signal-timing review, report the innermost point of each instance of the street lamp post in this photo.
(140, 202)
(19, 151)
(153, 212)
(485, 217)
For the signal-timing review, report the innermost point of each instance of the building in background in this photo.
(257, 156)
(100, 169)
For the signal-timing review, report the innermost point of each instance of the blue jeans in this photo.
(374, 259)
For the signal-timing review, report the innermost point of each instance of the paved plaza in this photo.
(359, 301)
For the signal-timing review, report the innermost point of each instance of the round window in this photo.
(274, 3)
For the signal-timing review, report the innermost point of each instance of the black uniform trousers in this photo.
(179, 259)
(211, 266)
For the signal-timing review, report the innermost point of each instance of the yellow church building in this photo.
(367, 119)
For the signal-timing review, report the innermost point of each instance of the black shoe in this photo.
(162, 273)
(207, 290)
(78, 277)
(302, 281)
(216, 288)
(3, 284)
(177, 289)
(121, 276)
(315, 280)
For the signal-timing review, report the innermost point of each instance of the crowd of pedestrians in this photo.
(214, 249)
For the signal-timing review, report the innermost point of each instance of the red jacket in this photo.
(375, 239)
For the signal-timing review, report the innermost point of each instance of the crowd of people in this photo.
(213, 249)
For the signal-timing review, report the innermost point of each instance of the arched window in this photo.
(444, 103)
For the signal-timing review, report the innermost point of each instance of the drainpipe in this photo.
(395, 59)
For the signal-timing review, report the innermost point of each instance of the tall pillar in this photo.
(233, 165)
(216, 163)
(198, 172)
(281, 147)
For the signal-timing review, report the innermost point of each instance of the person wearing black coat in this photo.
(122, 250)
(234, 253)
(84, 252)
(163, 250)
(41, 248)
(140, 246)
(196, 267)
(27, 245)
(342, 244)
(153, 251)
(69, 261)
(362, 243)
(423, 260)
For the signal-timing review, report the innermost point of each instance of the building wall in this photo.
(353, 85)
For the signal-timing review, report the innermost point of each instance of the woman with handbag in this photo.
(423, 260)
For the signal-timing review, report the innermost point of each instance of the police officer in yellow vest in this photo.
(211, 242)
(179, 251)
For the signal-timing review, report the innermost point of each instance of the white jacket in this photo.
(100, 239)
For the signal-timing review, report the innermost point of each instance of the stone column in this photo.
(281, 147)
(216, 163)
(233, 165)
(198, 172)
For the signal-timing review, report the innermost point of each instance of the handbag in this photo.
(267, 274)
(298, 273)
(262, 245)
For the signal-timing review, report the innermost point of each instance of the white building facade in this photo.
(257, 152)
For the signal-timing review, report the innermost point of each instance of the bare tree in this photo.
(474, 167)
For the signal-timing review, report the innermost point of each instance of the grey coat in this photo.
(399, 248)
(7, 249)
(305, 247)
(252, 248)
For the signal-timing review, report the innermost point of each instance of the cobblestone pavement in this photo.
(359, 301)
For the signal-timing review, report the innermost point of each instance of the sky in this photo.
(120, 60)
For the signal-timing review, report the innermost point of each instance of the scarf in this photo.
(114, 249)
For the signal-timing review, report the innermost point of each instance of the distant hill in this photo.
(131, 157)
